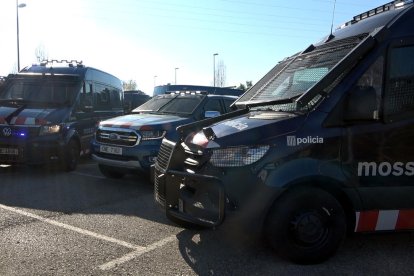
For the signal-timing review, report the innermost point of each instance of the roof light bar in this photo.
(70, 63)
(191, 92)
(397, 4)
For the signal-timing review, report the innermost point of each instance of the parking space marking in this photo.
(73, 228)
(138, 250)
(137, 253)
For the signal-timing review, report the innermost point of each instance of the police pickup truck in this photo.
(130, 143)
(322, 145)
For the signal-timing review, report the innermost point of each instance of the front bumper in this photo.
(236, 200)
(139, 157)
(32, 151)
(201, 205)
(127, 164)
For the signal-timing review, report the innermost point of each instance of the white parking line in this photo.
(72, 228)
(137, 253)
(138, 250)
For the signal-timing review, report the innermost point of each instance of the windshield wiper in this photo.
(13, 100)
(273, 102)
(169, 112)
(264, 109)
(150, 112)
(66, 103)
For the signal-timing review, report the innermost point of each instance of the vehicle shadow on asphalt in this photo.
(214, 252)
(84, 191)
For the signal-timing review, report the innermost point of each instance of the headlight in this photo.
(152, 134)
(238, 156)
(49, 129)
(200, 139)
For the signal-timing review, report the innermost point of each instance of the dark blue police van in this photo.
(322, 145)
(49, 112)
(133, 99)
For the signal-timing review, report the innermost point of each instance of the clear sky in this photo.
(141, 39)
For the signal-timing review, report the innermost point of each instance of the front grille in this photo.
(162, 164)
(164, 154)
(127, 137)
(159, 189)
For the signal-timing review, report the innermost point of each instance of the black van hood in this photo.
(254, 128)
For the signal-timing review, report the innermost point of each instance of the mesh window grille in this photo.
(400, 90)
(401, 96)
(296, 75)
(237, 156)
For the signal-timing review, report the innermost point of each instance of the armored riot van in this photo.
(322, 145)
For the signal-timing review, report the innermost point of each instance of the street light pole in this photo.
(155, 77)
(214, 68)
(175, 76)
(17, 24)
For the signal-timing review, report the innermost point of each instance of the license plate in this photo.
(9, 151)
(111, 150)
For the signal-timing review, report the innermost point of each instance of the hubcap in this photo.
(309, 228)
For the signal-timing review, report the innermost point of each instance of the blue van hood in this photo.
(156, 121)
(31, 116)
(255, 128)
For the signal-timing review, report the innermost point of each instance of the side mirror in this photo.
(211, 114)
(86, 105)
(87, 108)
(361, 104)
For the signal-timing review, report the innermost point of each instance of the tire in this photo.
(71, 156)
(110, 172)
(306, 226)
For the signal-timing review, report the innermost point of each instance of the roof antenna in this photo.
(333, 17)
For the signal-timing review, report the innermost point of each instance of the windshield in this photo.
(42, 91)
(295, 75)
(178, 104)
(153, 105)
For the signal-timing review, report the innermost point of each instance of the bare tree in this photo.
(220, 74)
(129, 85)
(41, 53)
(246, 86)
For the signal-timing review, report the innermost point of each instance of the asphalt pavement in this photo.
(81, 223)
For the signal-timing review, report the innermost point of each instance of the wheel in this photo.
(71, 156)
(110, 172)
(306, 226)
